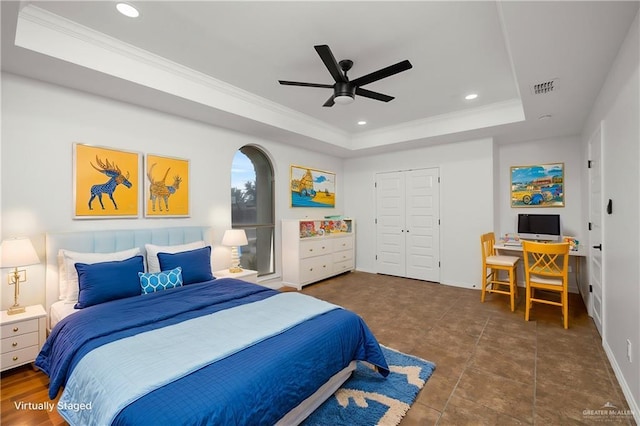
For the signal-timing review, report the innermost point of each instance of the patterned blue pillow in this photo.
(157, 281)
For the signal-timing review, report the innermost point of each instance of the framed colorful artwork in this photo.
(105, 182)
(312, 188)
(540, 185)
(167, 186)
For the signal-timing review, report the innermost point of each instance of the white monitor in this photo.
(542, 227)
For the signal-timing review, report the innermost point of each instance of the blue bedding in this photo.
(256, 385)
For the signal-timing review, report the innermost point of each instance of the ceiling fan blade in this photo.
(373, 95)
(329, 102)
(330, 62)
(297, 83)
(382, 73)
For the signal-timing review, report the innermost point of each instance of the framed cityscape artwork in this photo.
(540, 185)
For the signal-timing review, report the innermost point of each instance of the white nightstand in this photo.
(246, 275)
(22, 336)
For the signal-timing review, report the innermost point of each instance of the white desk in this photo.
(581, 252)
(576, 254)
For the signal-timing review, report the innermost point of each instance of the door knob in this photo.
(599, 247)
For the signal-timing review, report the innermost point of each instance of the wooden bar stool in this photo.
(492, 264)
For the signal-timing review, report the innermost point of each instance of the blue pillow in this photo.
(196, 264)
(105, 281)
(151, 282)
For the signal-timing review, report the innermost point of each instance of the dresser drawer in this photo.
(14, 343)
(315, 268)
(314, 248)
(342, 244)
(341, 256)
(19, 357)
(22, 327)
(340, 267)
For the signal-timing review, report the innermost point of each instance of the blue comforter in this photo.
(257, 385)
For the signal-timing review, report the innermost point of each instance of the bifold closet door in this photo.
(390, 221)
(408, 236)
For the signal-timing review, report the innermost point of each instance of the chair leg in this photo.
(484, 284)
(528, 307)
(512, 289)
(565, 308)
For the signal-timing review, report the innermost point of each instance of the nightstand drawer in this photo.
(19, 342)
(22, 327)
(19, 357)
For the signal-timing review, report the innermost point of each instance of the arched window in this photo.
(252, 208)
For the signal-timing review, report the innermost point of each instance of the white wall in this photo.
(40, 123)
(558, 150)
(466, 174)
(566, 150)
(618, 108)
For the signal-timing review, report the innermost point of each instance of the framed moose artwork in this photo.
(167, 187)
(105, 182)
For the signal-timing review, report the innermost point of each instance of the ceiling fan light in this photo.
(343, 99)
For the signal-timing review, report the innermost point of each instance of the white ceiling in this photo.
(220, 62)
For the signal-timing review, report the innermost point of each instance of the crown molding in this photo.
(496, 114)
(50, 34)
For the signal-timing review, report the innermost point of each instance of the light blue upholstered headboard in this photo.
(110, 241)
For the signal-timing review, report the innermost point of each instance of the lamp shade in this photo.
(18, 252)
(234, 237)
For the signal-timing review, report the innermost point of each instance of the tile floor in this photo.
(493, 367)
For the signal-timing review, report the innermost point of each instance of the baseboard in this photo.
(633, 404)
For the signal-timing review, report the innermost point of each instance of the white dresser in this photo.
(22, 336)
(313, 250)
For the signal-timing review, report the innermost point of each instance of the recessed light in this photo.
(361, 123)
(127, 10)
(471, 96)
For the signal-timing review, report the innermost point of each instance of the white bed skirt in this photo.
(309, 405)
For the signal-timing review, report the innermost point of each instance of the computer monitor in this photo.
(545, 227)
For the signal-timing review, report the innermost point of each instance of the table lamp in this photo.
(234, 238)
(17, 252)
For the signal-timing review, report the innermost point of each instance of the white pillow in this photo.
(153, 263)
(68, 277)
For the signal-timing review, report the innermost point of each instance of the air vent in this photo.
(544, 87)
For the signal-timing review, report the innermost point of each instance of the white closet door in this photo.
(390, 236)
(422, 233)
(407, 231)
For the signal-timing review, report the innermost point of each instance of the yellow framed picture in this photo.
(312, 188)
(167, 186)
(105, 182)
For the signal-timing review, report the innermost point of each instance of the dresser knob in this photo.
(15, 358)
(15, 329)
(14, 344)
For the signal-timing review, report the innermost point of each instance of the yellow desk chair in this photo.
(492, 264)
(546, 267)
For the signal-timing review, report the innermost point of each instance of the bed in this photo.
(211, 351)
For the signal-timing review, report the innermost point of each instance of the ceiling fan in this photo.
(344, 91)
